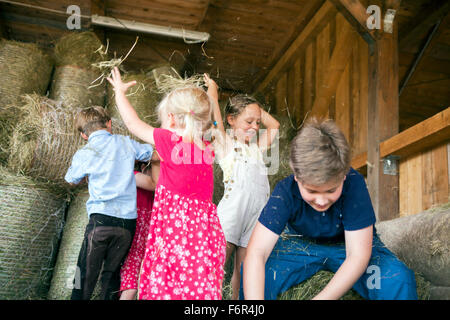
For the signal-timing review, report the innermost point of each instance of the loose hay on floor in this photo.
(31, 220)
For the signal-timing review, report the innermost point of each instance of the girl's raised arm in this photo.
(214, 95)
(272, 126)
(129, 116)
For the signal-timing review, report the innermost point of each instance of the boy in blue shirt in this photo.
(107, 161)
(325, 211)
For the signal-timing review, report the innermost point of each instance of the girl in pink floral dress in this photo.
(185, 251)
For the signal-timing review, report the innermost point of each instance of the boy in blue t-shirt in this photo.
(107, 160)
(325, 211)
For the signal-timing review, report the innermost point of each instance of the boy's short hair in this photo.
(91, 119)
(320, 153)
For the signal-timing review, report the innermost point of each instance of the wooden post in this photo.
(383, 123)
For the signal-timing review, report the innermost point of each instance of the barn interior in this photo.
(382, 74)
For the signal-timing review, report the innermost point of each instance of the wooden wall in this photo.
(424, 180)
(302, 82)
(297, 87)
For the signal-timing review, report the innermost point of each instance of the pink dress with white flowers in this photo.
(185, 251)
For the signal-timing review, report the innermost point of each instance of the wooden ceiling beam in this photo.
(357, 15)
(441, 25)
(430, 18)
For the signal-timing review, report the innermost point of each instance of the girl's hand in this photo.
(212, 87)
(117, 83)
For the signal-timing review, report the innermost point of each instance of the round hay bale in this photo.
(44, 141)
(143, 97)
(24, 69)
(74, 55)
(71, 84)
(421, 241)
(31, 220)
(69, 249)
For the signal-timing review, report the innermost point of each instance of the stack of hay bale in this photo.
(31, 212)
(75, 74)
(24, 69)
(38, 141)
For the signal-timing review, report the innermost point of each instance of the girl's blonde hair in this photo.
(320, 153)
(193, 112)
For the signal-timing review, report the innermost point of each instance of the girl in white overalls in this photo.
(245, 179)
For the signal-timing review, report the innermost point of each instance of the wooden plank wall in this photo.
(424, 180)
(296, 86)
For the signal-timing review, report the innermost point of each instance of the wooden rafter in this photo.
(356, 14)
(431, 18)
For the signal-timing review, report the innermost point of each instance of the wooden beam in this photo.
(356, 14)
(432, 39)
(335, 69)
(383, 124)
(420, 137)
(320, 18)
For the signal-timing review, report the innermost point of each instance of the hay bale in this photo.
(71, 241)
(31, 220)
(24, 69)
(71, 84)
(75, 54)
(422, 241)
(286, 134)
(44, 140)
(145, 96)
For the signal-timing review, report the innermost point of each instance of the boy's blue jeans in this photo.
(294, 260)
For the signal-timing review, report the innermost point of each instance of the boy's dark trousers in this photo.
(106, 243)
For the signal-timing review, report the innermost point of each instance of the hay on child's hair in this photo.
(167, 82)
(44, 141)
(69, 249)
(31, 220)
(75, 54)
(24, 68)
